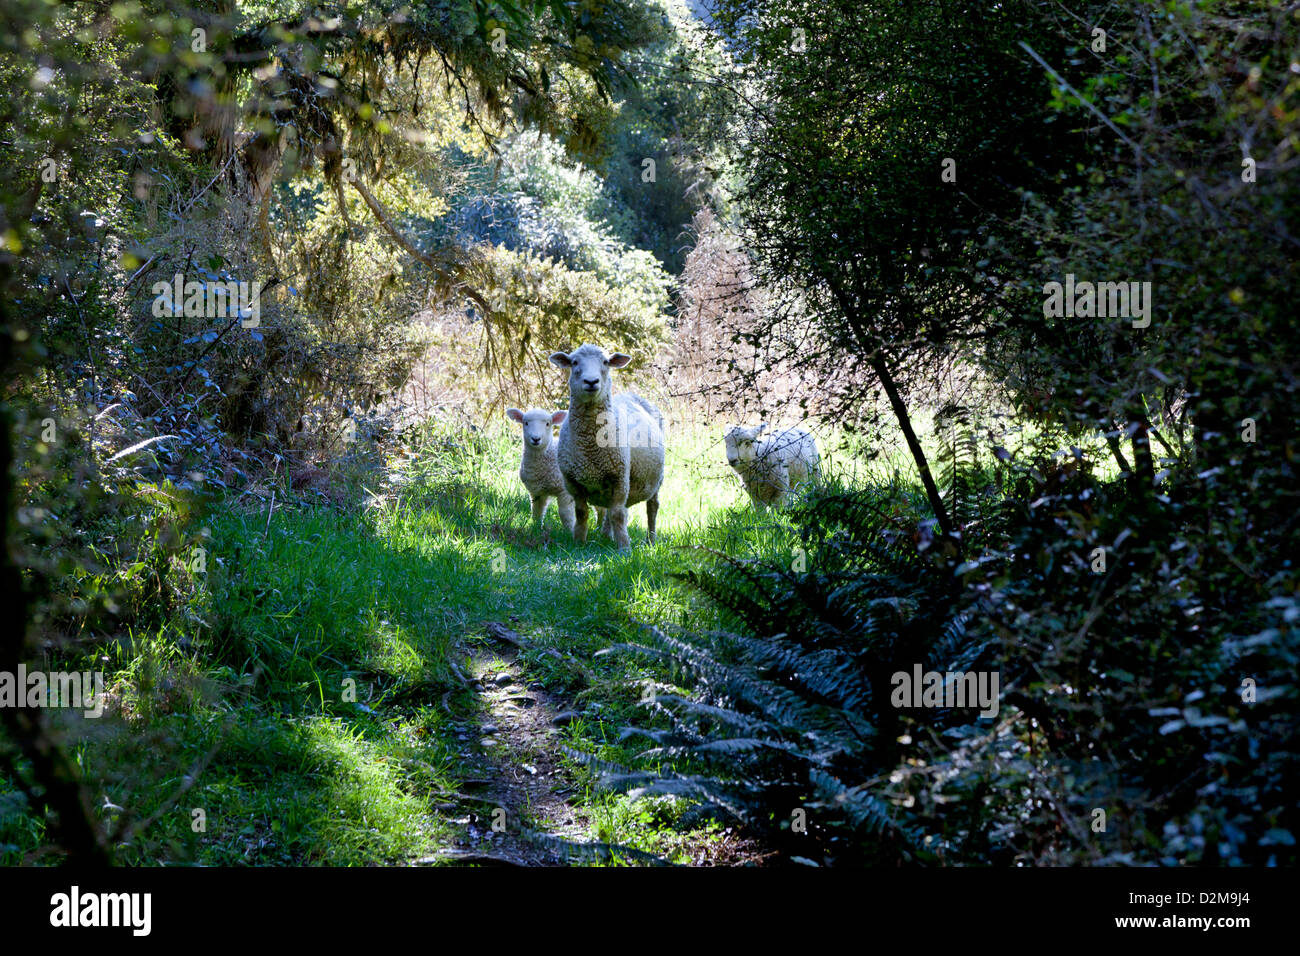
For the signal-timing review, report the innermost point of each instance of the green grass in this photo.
(310, 671)
(386, 598)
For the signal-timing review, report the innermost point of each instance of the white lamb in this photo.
(771, 467)
(539, 470)
(611, 446)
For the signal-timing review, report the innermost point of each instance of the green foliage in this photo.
(1123, 569)
(541, 306)
(1156, 686)
(545, 241)
(677, 115)
(844, 198)
(791, 729)
(1173, 204)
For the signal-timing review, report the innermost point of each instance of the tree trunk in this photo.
(914, 445)
(1143, 462)
(74, 828)
(1112, 439)
(882, 373)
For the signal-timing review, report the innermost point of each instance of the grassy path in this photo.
(331, 684)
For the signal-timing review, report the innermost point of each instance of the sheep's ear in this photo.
(515, 415)
(561, 359)
(559, 417)
(618, 360)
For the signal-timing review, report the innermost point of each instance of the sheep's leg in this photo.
(651, 512)
(564, 503)
(579, 519)
(617, 516)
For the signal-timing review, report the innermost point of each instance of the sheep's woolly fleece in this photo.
(773, 465)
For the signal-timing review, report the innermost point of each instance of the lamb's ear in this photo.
(559, 417)
(561, 359)
(618, 360)
(515, 415)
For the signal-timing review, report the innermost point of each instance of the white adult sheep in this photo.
(538, 468)
(773, 465)
(611, 446)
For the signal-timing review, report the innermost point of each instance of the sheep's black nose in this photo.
(591, 381)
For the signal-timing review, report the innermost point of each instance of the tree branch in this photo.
(445, 272)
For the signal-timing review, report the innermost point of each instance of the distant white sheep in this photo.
(611, 450)
(773, 465)
(539, 469)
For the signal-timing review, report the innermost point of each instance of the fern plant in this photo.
(790, 728)
(971, 487)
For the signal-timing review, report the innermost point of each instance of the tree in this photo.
(871, 191)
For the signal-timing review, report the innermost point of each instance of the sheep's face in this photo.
(589, 372)
(741, 442)
(537, 423)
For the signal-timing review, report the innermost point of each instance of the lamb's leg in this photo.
(797, 475)
(651, 511)
(540, 504)
(565, 505)
(580, 519)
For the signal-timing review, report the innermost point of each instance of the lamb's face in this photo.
(740, 444)
(589, 372)
(537, 423)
